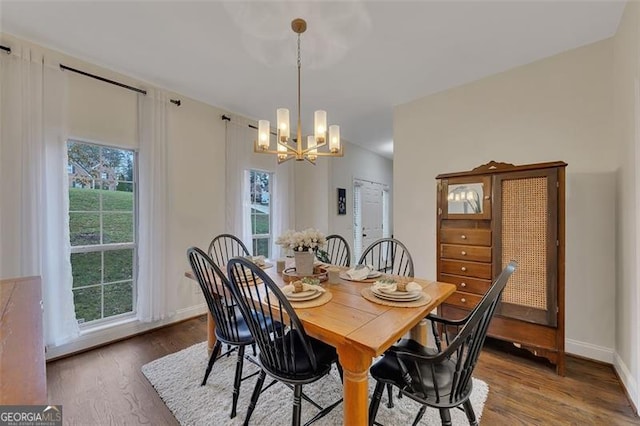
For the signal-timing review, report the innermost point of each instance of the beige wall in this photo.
(102, 112)
(626, 126)
(558, 108)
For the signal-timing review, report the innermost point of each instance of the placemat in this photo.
(366, 292)
(325, 298)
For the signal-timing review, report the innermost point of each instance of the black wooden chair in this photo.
(231, 328)
(389, 256)
(224, 247)
(338, 250)
(294, 358)
(440, 378)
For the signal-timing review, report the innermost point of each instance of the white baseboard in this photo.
(120, 331)
(628, 381)
(588, 350)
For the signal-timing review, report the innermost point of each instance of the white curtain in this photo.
(240, 159)
(238, 164)
(154, 295)
(34, 205)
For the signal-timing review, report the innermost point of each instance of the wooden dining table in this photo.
(359, 329)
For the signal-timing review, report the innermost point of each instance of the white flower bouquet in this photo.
(308, 240)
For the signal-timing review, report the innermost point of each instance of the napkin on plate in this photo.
(288, 289)
(361, 272)
(258, 260)
(387, 287)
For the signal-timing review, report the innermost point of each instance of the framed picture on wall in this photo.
(342, 201)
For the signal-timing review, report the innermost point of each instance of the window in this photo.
(260, 193)
(102, 230)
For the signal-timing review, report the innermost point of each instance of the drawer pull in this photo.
(463, 284)
(464, 237)
(463, 300)
(463, 269)
(464, 253)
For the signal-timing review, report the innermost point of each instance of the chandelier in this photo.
(285, 150)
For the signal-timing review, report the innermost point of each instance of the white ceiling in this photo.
(359, 58)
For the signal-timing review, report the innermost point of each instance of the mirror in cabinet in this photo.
(466, 197)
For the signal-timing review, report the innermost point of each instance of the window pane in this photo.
(86, 268)
(88, 302)
(117, 228)
(118, 265)
(262, 223)
(125, 187)
(118, 298)
(84, 159)
(261, 247)
(114, 199)
(253, 221)
(82, 197)
(84, 228)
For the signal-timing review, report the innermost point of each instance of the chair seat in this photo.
(244, 336)
(388, 370)
(300, 369)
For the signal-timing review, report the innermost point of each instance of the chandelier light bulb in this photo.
(282, 115)
(263, 134)
(334, 138)
(320, 120)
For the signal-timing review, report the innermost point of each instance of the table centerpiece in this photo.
(304, 245)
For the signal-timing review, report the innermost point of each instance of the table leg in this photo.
(356, 385)
(211, 332)
(419, 332)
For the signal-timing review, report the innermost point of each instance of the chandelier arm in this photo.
(330, 154)
(282, 160)
(289, 147)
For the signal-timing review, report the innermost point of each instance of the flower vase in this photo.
(304, 263)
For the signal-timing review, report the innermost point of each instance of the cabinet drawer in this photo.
(466, 284)
(464, 300)
(467, 269)
(474, 237)
(474, 253)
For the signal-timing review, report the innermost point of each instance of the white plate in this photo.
(374, 274)
(267, 265)
(291, 295)
(314, 294)
(398, 296)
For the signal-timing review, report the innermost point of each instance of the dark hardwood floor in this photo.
(105, 386)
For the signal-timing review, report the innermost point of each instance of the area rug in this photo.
(177, 378)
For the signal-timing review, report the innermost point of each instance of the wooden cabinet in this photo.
(493, 214)
(22, 361)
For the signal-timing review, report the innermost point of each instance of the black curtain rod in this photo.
(5, 48)
(227, 118)
(106, 80)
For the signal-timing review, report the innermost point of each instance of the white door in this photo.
(368, 215)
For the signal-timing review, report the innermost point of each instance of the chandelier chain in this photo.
(299, 130)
